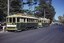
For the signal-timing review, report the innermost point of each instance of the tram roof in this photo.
(43, 19)
(24, 16)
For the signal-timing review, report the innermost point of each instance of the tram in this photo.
(19, 22)
(43, 22)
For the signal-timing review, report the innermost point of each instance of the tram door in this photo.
(39, 23)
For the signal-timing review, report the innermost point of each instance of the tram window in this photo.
(22, 20)
(18, 19)
(47, 21)
(7, 20)
(31, 20)
(10, 19)
(39, 21)
(44, 21)
(13, 19)
(35, 20)
(27, 20)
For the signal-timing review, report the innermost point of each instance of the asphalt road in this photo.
(51, 34)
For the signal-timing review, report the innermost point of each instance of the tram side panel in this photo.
(45, 24)
(26, 26)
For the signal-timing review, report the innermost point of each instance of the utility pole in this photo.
(44, 13)
(8, 8)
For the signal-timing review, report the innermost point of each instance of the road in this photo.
(51, 34)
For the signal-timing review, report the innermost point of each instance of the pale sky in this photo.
(59, 7)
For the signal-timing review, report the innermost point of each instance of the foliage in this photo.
(3, 9)
(30, 3)
(47, 8)
(61, 19)
(15, 6)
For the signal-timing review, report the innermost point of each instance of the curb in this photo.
(3, 31)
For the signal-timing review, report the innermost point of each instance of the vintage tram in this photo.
(19, 22)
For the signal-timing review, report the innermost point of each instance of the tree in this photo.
(61, 19)
(15, 6)
(3, 9)
(47, 9)
(30, 3)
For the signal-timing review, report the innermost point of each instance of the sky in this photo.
(59, 7)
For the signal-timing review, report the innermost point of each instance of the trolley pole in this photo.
(8, 8)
